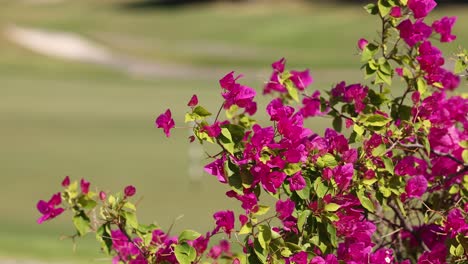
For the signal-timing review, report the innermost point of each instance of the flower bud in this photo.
(102, 196)
(84, 184)
(129, 191)
(362, 43)
(395, 12)
(66, 181)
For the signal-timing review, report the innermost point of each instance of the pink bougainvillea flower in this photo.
(284, 209)
(166, 122)
(130, 190)
(200, 244)
(382, 256)
(296, 182)
(421, 8)
(301, 79)
(430, 58)
(362, 43)
(437, 255)
(352, 93)
(415, 97)
(274, 83)
(273, 180)
(416, 186)
(216, 168)
(66, 181)
(243, 219)
(395, 12)
(311, 105)
(214, 130)
(279, 65)
(84, 184)
(343, 175)
(237, 94)
(414, 33)
(248, 199)
(411, 166)
(444, 28)
(223, 248)
(48, 209)
(399, 71)
(224, 220)
(126, 249)
(299, 258)
(456, 223)
(329, 259)
(193, 101)
(277, 110)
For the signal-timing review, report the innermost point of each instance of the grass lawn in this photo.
(63, 118)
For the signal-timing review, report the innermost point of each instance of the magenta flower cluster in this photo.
(390, 189)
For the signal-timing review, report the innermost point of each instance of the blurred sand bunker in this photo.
(71, 46)
(59, 44)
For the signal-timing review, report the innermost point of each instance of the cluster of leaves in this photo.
(393, 188)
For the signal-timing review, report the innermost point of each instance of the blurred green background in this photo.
(64, 117)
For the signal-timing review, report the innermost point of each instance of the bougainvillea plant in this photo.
(392, 188)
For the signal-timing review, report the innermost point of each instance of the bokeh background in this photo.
(81, 83)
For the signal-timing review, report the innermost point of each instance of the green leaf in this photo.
(147, 228)
(260, 251)
(111, 200)
(365, 201)
(332, 207)
(331, 230)
(292, 91)
(384, 7)
(337, 123)
(262, 209)
(328, 160)
(358, 129)
(388, 164)
(369, 182)
(320, 188)
(188, 235)
(86, 203)
(189, 117)
(82, 223)
(226, 140)
(463, 144)
(184, 253)
(385, 67)
(369, 51)
(129, 205)
(465, 156)
(460, 66)
(375, 120)
(371, 9)
(131, 219)
(383, 77)
(302, 219)
(421, 86)
(286, 252)
(237, 132)
(103, 235)
(379, 151)
(305, 193)
(456, 250)
(246, 229)
(201, 112)
(386, 192)
(369, 71)
(292, 168)
(264, 236)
